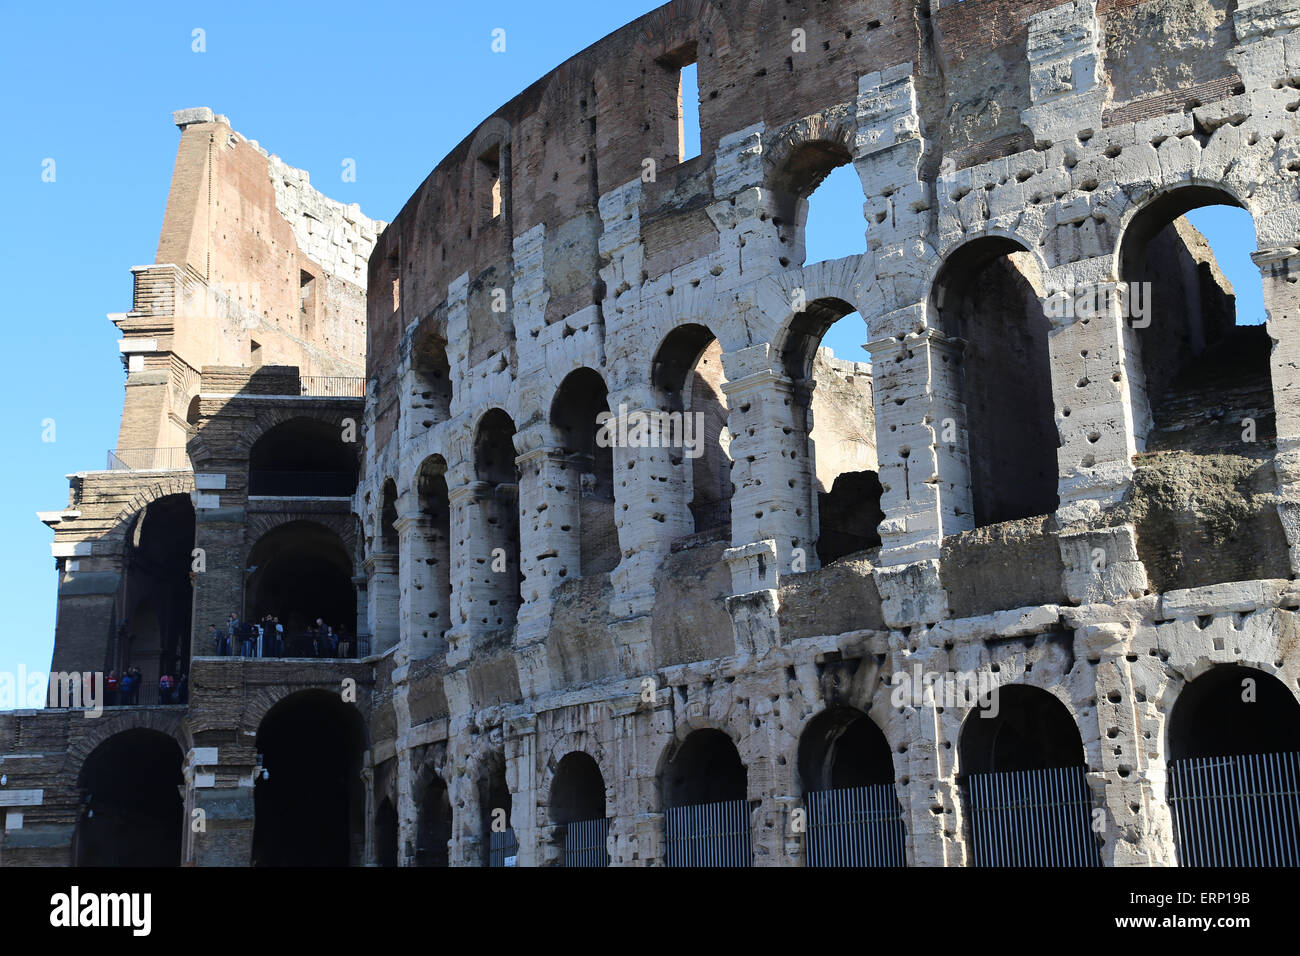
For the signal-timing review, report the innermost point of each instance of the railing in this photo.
(147, 695)
(295, 646)
(333, 386)
(302, 484)
(584, 843)
(149, 459)
(856, 826)
(1032, 818)
(710, 834)
(503, 848)
(1241, 810)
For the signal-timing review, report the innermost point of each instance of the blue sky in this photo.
(392, 86)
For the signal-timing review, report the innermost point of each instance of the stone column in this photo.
(770, 455)
(550, 544)
(521, 778)
(383, 597)
(419, 616)
(219, 784)
(1281, 270)
(656, 491)
(1136, 825)
(218, 590)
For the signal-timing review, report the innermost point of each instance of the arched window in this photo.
(1204, 359)
(847, 775)
(1002, 432)
(578, 807)
(431, 602)
(309, 797)
(431, 384)
(581, 398)
(1023, 771)
(1234, 772)
(496, 803)
(688, 377)
(833, 407)
(158, 593)
(132, 813)
(298, 573)
(706, 813)
(433, 831)
(302, 458)
(497, 572)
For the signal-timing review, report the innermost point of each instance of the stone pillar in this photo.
(85, 630)
(218, 590)
(521, 778)
(1136, 825)
(550, 543)
(421, 617)
(219, 783)
(1281, 270)
(774, 496)
(383, 598)
(360, 582)
(652, 493)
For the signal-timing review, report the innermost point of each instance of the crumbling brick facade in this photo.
(1050, 501)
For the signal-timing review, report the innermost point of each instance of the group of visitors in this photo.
(124, 689)
(268, 638)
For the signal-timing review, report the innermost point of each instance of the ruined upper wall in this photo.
(283, 264)
(589, 127)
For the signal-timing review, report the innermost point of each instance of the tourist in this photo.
(110, 689)
(165, 689)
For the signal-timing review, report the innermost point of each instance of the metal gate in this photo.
(1242, 810)
(1032, 818)
(710, 834)
(503, 847)
(584, 843)
(855, 826)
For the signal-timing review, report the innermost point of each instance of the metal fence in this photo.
(503, 847)
(710, 834)
(1241, 810)
(1032, 818)
(149, 459)
(856, 826)
(333, 386)
(584, 843)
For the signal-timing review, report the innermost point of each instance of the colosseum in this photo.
(538, 528)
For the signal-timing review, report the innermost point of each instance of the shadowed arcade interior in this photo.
(303, 572)
(133, 813)
(309, 802)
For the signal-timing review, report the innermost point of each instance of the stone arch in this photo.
(131, 811)
(141, 497)
(173, 725)
(575, 742)
(999, 430)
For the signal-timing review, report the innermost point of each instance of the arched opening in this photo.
(431, 385)
(431, 601)
(302, 458)
(132, 812)
(495, 804)
(1234, 773)
(498, 571)
(192, 412)
(1002, 431)
(833, 409)
(158, 596)
(847, 775)
(433, 830)
(581, 398)
(688, 377)
(301, 573)
(386, 834)
(1023, 772)
(705, 787)
(818, 204)
(1205, 363)
(578, 810)
(309, 799)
